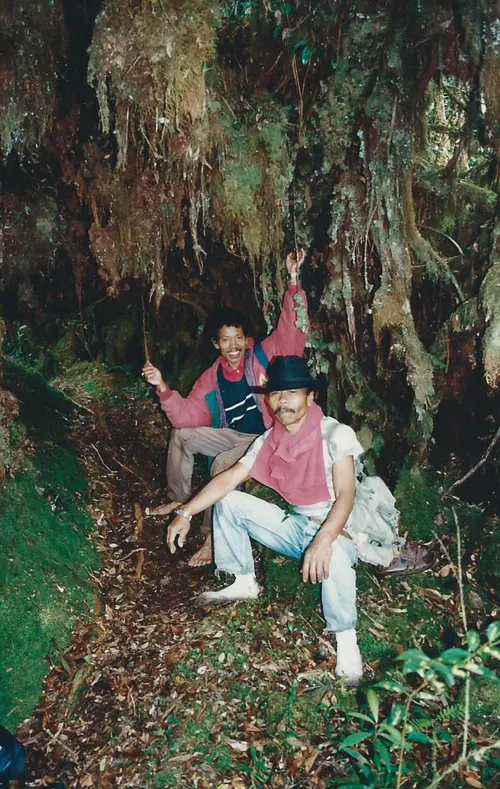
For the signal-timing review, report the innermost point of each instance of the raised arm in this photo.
(214, 491)
(290, 336)
(317, 557)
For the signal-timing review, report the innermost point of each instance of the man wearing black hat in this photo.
(310, 460)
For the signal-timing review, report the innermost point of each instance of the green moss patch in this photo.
(425, 510)
(45, 559)
(45, 550)
(489, 559)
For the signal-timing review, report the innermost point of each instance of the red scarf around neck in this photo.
(292, 464)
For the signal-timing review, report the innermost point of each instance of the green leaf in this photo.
(398, 713)
(413, 654)
(355, 739)
(391, 732)
(361, 716)
(419, 736)
(300, 44)
(455, 655)
(384, 754)
(493, 631)
(414, 660)
(391, 684)
(490, 652)
(355, 755)
(306, 55)
(373, 703)
(352, 786)
(473, 639)
(482, 671)
(424, 695)
(445, 672)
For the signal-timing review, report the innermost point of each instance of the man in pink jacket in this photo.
(222, 415)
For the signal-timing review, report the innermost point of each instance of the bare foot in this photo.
(204, 555)
(164, 509)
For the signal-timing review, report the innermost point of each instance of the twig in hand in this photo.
(479, 464)
(144, 338)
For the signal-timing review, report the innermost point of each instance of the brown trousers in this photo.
(225, 445)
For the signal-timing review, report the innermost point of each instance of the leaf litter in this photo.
(154, 692)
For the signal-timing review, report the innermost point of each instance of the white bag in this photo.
(374, 522)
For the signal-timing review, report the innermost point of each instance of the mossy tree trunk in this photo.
(206, 138)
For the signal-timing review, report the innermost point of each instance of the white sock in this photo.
(347, 638)
(244, 580)
(349, 661)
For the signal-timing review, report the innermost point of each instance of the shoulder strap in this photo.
(261, 355)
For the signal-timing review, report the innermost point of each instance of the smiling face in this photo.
(232, 343)
(290, 407)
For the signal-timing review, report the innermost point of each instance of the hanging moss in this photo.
(249, 203)
(32, 238)
(32, 35)
(490, 301)
(340, 100)
(148, 65)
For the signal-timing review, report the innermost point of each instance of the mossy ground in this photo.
(45, 549)
(426, 510)
(241, 694)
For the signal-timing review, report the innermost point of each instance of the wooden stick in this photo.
(479, 464)
(144, 338)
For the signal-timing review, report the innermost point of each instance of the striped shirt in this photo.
(240, 405)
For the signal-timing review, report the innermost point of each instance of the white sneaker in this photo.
(349, 663)
(244, 587)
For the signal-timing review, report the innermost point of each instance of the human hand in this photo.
(316, 567)
(153, 376)
(294, 261)
(178, 528)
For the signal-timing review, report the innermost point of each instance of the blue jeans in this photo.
(239, 516)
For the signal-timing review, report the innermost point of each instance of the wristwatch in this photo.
(184, 514)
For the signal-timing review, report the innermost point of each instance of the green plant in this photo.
(46, 556)
(392, 736)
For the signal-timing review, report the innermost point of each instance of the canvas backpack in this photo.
(374, 521)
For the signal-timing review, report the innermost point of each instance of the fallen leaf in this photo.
(473, 780)
(238, 745)
(310, 759)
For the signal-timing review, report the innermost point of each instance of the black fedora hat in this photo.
(289, 372)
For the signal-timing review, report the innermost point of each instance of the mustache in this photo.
(283, 410)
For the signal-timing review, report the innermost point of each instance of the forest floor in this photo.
(154, 692)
